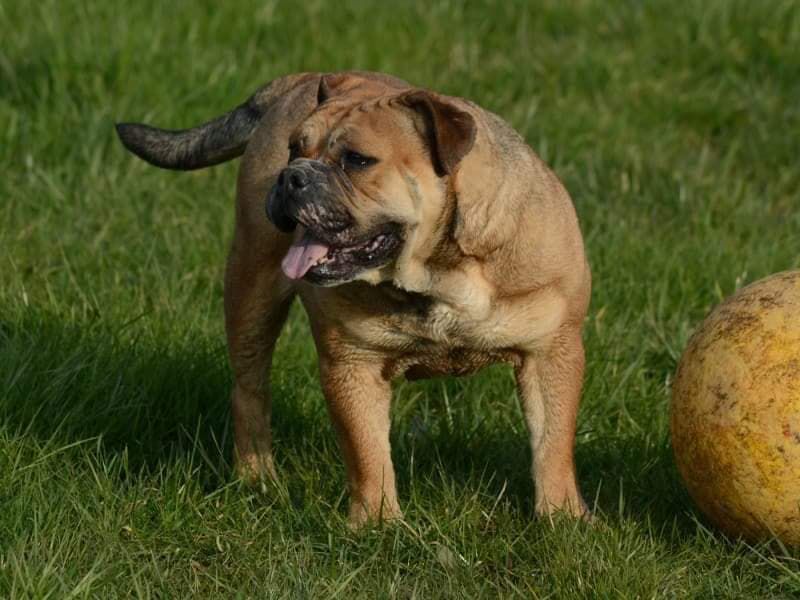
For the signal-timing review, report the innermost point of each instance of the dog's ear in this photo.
(328, 86)
(450, 130)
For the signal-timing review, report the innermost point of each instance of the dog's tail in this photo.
(185, 149)
(213, 142)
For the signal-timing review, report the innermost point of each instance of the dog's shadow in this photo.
(160, 403)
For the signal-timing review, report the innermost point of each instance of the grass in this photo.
(676, 127)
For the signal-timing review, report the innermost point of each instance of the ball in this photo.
(735, 414)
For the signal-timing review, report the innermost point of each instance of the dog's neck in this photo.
(441, 270)
(448, 257)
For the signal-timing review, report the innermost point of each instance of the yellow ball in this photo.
(736, 412)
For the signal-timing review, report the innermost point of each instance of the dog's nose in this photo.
(276, 212)
(292, 179)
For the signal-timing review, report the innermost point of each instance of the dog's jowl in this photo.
(423, 237)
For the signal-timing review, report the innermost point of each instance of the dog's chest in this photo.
(436, 324)
(419, 336)
(440, 341)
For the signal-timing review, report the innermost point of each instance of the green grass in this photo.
(676, 127)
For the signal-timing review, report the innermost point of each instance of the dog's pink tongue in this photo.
(303, 254)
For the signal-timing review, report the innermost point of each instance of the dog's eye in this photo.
(353, 161)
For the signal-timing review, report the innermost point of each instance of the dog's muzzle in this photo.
(303, 193)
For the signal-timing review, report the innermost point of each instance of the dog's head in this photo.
(371, 173)
(364, 174)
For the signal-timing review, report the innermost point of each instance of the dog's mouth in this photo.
(324, 262)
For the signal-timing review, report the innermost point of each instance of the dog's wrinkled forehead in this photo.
(343, 121)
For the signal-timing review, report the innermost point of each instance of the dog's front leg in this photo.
(550, 382)
(359, 399)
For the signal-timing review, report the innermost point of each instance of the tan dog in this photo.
(423, 236)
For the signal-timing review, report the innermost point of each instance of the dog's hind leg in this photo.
(257, 295)
(257, 301)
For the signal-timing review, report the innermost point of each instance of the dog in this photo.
(422, 235)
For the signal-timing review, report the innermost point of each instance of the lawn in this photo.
(676, 128)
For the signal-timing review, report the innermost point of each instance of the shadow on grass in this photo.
(622, 478)
(160, 402)
(69, 383)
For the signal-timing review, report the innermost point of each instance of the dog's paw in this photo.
(256, 471)
(572, 506)
(363, 517)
